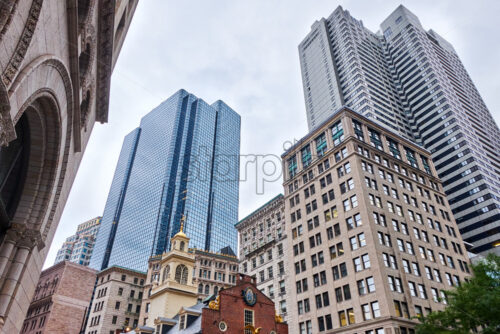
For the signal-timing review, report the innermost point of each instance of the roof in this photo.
(314, 132)
(259, 209)
(123, 269)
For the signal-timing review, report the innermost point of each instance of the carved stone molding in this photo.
(88, 38)
(105, 37)
(85, 18)
(7, 10)
(7, 130)
(24, 42)
(24, 237)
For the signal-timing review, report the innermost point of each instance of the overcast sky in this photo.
(245, 53)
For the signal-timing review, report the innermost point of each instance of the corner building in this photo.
(182, 160)
(412, 81)
(373, 239)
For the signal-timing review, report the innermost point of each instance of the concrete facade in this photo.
(373, 239)
(56, 61)
(263, 243)
(412, 81)
(61, 299)
(117, 300)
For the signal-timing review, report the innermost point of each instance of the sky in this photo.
(245, 53)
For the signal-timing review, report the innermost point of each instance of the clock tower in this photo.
(173, 288)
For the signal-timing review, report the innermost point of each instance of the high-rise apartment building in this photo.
(182, 160)
(262, 250)
(413, 82)
(78, 247)
(373, 240)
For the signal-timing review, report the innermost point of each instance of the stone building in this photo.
(56, 59)
(373, 240)
(61, 299)
(117, 300)
(262, 250)
(211, 272)
(238, 309)
(78, 247)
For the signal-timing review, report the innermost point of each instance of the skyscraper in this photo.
(182, 160)
(411, 81)
(78, 247)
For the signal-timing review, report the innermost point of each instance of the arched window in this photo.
(216, 290)
(200, 288)
(182, 246)
(166, 272)
(181, 274)
(207, 289)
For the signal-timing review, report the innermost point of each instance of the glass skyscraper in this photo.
(411, 81)
(182, 160)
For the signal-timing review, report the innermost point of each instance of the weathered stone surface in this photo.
(41, 44)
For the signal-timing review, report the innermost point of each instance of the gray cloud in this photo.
(245, 53)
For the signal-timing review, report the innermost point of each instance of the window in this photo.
(181, 274)
(248, 320)
(367, 315)
(375, 309)
(337, 133)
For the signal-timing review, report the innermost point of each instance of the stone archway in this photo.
(46, 114)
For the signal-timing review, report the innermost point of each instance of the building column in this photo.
(18, 244)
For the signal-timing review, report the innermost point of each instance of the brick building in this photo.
(262, 250)
(373, 240)
(239, 309)
(117, 300)
(56, 60)
(61, 299)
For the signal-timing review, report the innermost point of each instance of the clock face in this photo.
(249, 296)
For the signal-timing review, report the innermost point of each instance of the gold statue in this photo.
(253, 329)
(278, 319)
(214, 304)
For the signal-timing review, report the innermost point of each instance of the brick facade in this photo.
(232, 307)
(61, 299)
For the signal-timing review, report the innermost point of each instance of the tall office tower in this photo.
(78, 247)
(373, 240)
(262, 250)
(413, 82)
(183, 160)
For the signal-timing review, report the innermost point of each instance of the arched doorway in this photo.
(14, 161)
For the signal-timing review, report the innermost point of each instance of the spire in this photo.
(181, 231)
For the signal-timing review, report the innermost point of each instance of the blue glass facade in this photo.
(183, 159)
